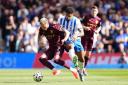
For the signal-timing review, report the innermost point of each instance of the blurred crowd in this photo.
(19, 22)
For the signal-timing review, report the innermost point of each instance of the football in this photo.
(38, 76)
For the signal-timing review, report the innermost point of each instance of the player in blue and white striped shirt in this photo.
(73, 44)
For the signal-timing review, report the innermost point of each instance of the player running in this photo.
(91, 25)
(51, 38)
(73, 45)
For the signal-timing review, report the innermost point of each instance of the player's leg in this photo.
(44, 60)
(79, 50)
(57, 57)
(58, 60)
(80, 53)
(88, 51)
(80, 59)
(72, 55)
(80, 65)
(87, 56)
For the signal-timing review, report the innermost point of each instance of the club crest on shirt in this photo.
(93, 21)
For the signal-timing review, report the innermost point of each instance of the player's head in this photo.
(44, 23)
(94, 10)
(69, 12)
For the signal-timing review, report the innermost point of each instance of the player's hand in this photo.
(62, 41)
(68, 46)
(87, 28)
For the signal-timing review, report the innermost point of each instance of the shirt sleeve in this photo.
(78, 28)
(59, 31)
(59, 21)
(78, 25)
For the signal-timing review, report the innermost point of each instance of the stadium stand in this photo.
(19, 22)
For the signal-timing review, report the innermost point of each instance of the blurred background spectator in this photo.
(19, 22)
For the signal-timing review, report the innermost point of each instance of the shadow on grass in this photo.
(21, 82)
(59, 81)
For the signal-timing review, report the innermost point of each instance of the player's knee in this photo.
(80, 56)
(86, 58)
(40, 59)
(43, 60)
(69, 46)
(88, 53)
(56, 60)
(81, 60)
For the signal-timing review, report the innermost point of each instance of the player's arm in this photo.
(67, 33)
(42, 40)
(79, 30)
(98, 28)
(61, 29)
(39, 34)
(84, 26)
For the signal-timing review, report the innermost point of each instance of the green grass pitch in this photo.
(95, 77)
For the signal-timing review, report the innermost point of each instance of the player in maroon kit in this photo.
(51, 38)
(91, 25)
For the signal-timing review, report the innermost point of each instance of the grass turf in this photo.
(95, 77)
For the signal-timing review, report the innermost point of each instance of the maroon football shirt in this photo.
(92, 22)
(54, 34)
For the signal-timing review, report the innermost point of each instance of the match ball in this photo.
(38, 77)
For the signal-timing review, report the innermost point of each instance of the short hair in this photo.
(69, 10)
(94, 7)
(43, 20)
